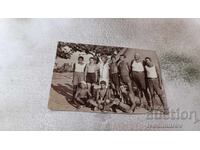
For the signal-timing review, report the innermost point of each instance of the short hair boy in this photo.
(82, 95)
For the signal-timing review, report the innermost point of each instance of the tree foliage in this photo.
(94, 50)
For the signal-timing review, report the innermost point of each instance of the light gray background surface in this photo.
(27, 55)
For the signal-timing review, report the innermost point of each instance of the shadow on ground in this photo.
(66, 91)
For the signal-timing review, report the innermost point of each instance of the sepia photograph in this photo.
(107, 79)
(116, 74)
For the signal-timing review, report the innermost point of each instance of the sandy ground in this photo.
(28, 48)
(61, 94)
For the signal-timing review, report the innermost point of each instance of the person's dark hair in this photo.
(148, 58)
(92, 58)
(113, 56)
(103, 82)
(81, 57)
(104, 56)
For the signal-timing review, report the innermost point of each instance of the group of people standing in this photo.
(108, 84)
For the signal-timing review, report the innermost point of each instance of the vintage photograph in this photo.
(107, 79)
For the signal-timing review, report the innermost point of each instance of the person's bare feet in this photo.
(96, 109)
(78, 107)
(116, 102)
(129, 111)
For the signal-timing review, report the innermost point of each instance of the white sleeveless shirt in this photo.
(137, 66)
(79, 67)
(151, 72)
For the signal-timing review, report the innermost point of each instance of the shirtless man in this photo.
(104, 95)
(105, 100)
(124, 72)
(129, 103)
(114, 75)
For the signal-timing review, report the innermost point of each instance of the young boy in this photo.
(78, 75)
(91, 74)
(104, 96)
(82, 95)
(128, 102)
(113, 104)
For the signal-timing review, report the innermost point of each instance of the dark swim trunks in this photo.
(139, 79)
(91, 78)
(115, 79)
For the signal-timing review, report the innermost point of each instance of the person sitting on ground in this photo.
(82, 95)
(128, 102)
(117, 104)
(106, 102)
(104, 96)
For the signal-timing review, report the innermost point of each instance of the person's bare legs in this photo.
(89, 86)
(74, 90)
(124, 107)
(140, 97)
(75, 87)
(130, 87)
(97, 105)
(92, 90)
(93, 102)
(80, 101)
(118, 90)
(132, 99)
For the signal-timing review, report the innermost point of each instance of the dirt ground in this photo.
(61, 95)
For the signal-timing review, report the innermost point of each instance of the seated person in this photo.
(128, 101)
(82, 95)
(104, 96)
(105, 100)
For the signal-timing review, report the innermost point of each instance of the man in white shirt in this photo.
(138, 77)
(155, 83)
(78, 73)
(104, 69)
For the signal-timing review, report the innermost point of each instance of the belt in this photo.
(152, 78)
(138, 71)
